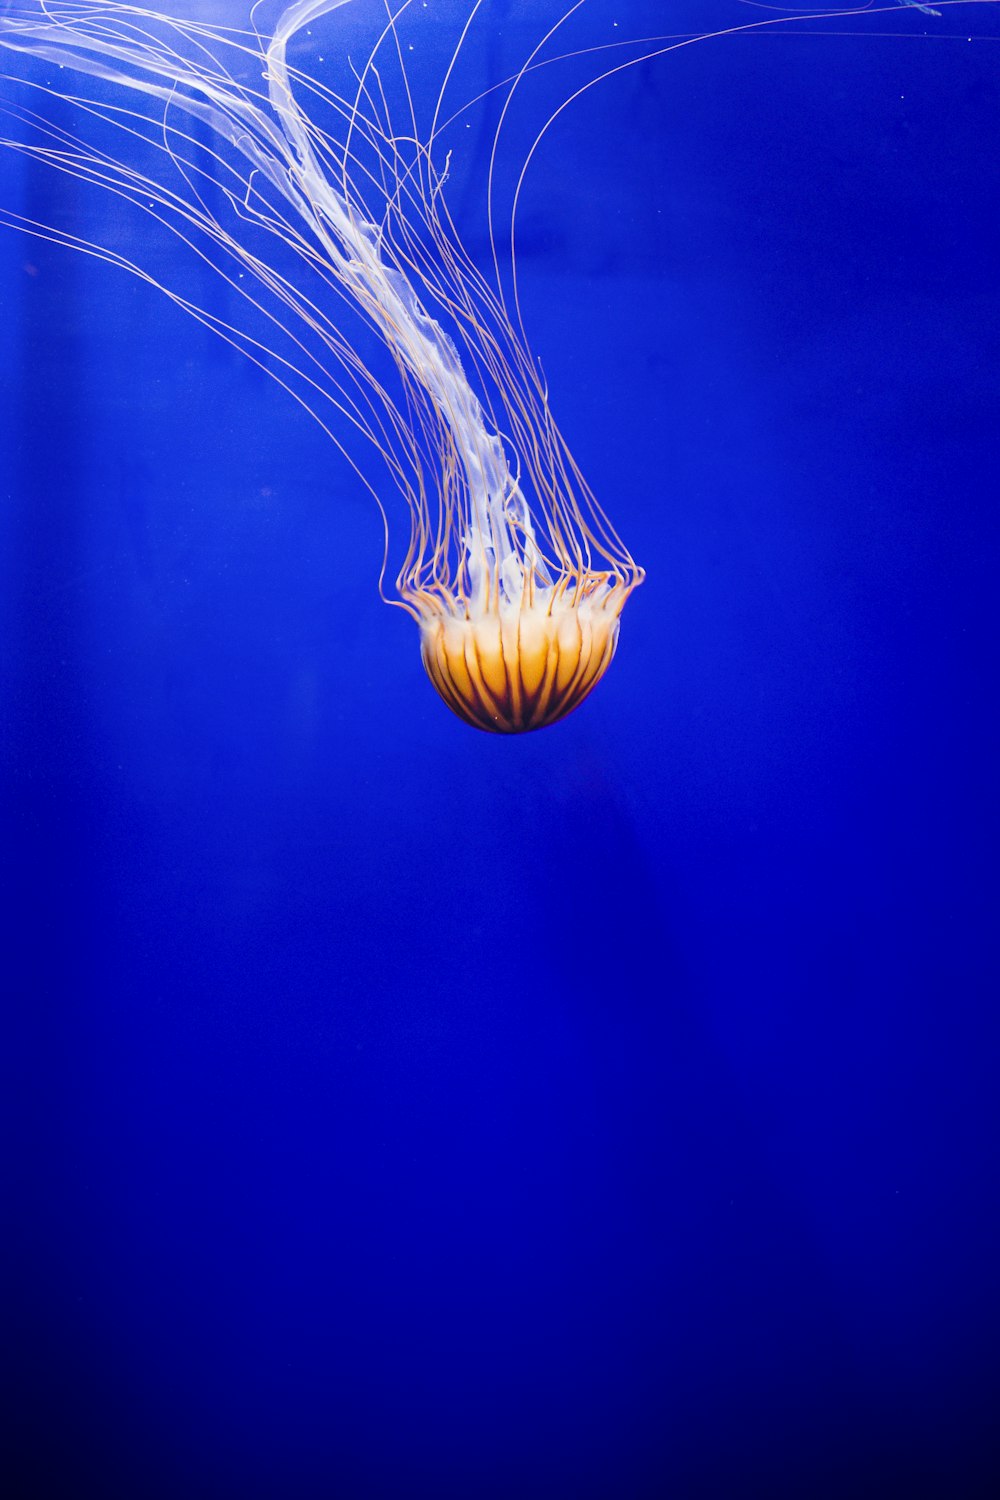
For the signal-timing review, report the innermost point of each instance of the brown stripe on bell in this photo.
(516, 670)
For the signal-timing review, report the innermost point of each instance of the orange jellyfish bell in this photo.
(519, 670)
(517, 627)
(518, 604)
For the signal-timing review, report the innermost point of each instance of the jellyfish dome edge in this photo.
(521, 669)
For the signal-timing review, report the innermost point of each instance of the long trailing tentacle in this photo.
(363, 210)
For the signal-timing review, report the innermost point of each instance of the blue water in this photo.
(608, 1112)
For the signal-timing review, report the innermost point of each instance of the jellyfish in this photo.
(511, 570)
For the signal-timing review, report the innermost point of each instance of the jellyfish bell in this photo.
(518, 642)
(522, 669)
(526, 625)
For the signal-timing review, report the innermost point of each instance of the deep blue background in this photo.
(400, 1111)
